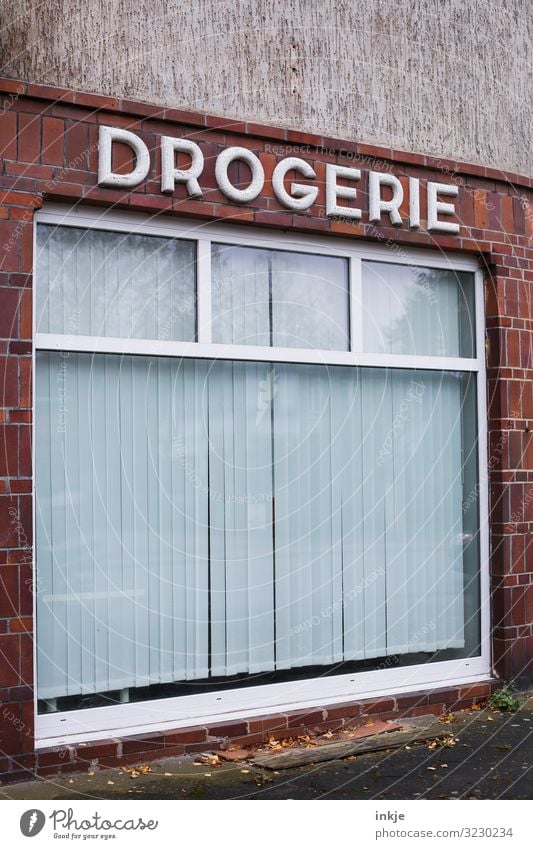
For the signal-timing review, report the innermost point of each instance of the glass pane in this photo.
(98, 283)
(279, 298)
(232, 519)
(411, 310)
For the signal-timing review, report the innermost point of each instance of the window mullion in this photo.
(203, 292)
(356, 305)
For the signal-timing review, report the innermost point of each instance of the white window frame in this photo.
(142, 717)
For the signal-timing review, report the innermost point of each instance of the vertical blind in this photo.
(279, 298)
(413, 310)
(200, 518)
(100, 283)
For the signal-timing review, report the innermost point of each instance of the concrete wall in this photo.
(450, 78)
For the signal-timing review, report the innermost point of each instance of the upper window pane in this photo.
(98, 283)
(279, 298)
(413, 310)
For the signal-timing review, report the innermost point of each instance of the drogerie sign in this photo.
(341, 198)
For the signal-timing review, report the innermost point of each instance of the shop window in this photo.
(253, 465)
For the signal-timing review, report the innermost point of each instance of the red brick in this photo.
(507, 214)
(12, 86)
(185, 735)
(144, 743)
(9, 313)
(211, 745)
(53, 141)
(249, 740)
(76, 144)
(26, 658)
(99, 749)
(10, 238)
(97, 101)
(9, 449)
(411, 700)
(9, 592)
(344, 711)
(18, 625)
(8, 135)
(378, 706)
(29, 138)
(235, 213)
(275, 724)
(9, 659)
(25, 382)
(48, 92)
(10, 735)
(54, 756)
(481, 213)
(475, 691)
(20, 348)
(228, 729)
(8, 521)
(298, 718)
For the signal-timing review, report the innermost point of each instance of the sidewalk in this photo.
(489, 755)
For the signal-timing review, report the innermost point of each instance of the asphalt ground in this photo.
(490, 757)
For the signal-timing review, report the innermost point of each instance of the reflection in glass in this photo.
(99, 283)
(279, 298)
(414, 310)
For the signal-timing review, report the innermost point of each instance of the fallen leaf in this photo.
(110, 782)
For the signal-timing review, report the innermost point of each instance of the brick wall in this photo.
(48, 150)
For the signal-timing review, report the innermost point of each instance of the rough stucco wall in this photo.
(448, 78)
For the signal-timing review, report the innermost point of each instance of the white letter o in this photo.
(224, 160)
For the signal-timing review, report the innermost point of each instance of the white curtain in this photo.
(200, 518)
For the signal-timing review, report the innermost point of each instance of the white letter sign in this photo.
(333, 191)
(106, 175)
(301, 197)
(435, 206)
(170, 175)
(376, 205)
(225, 159)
